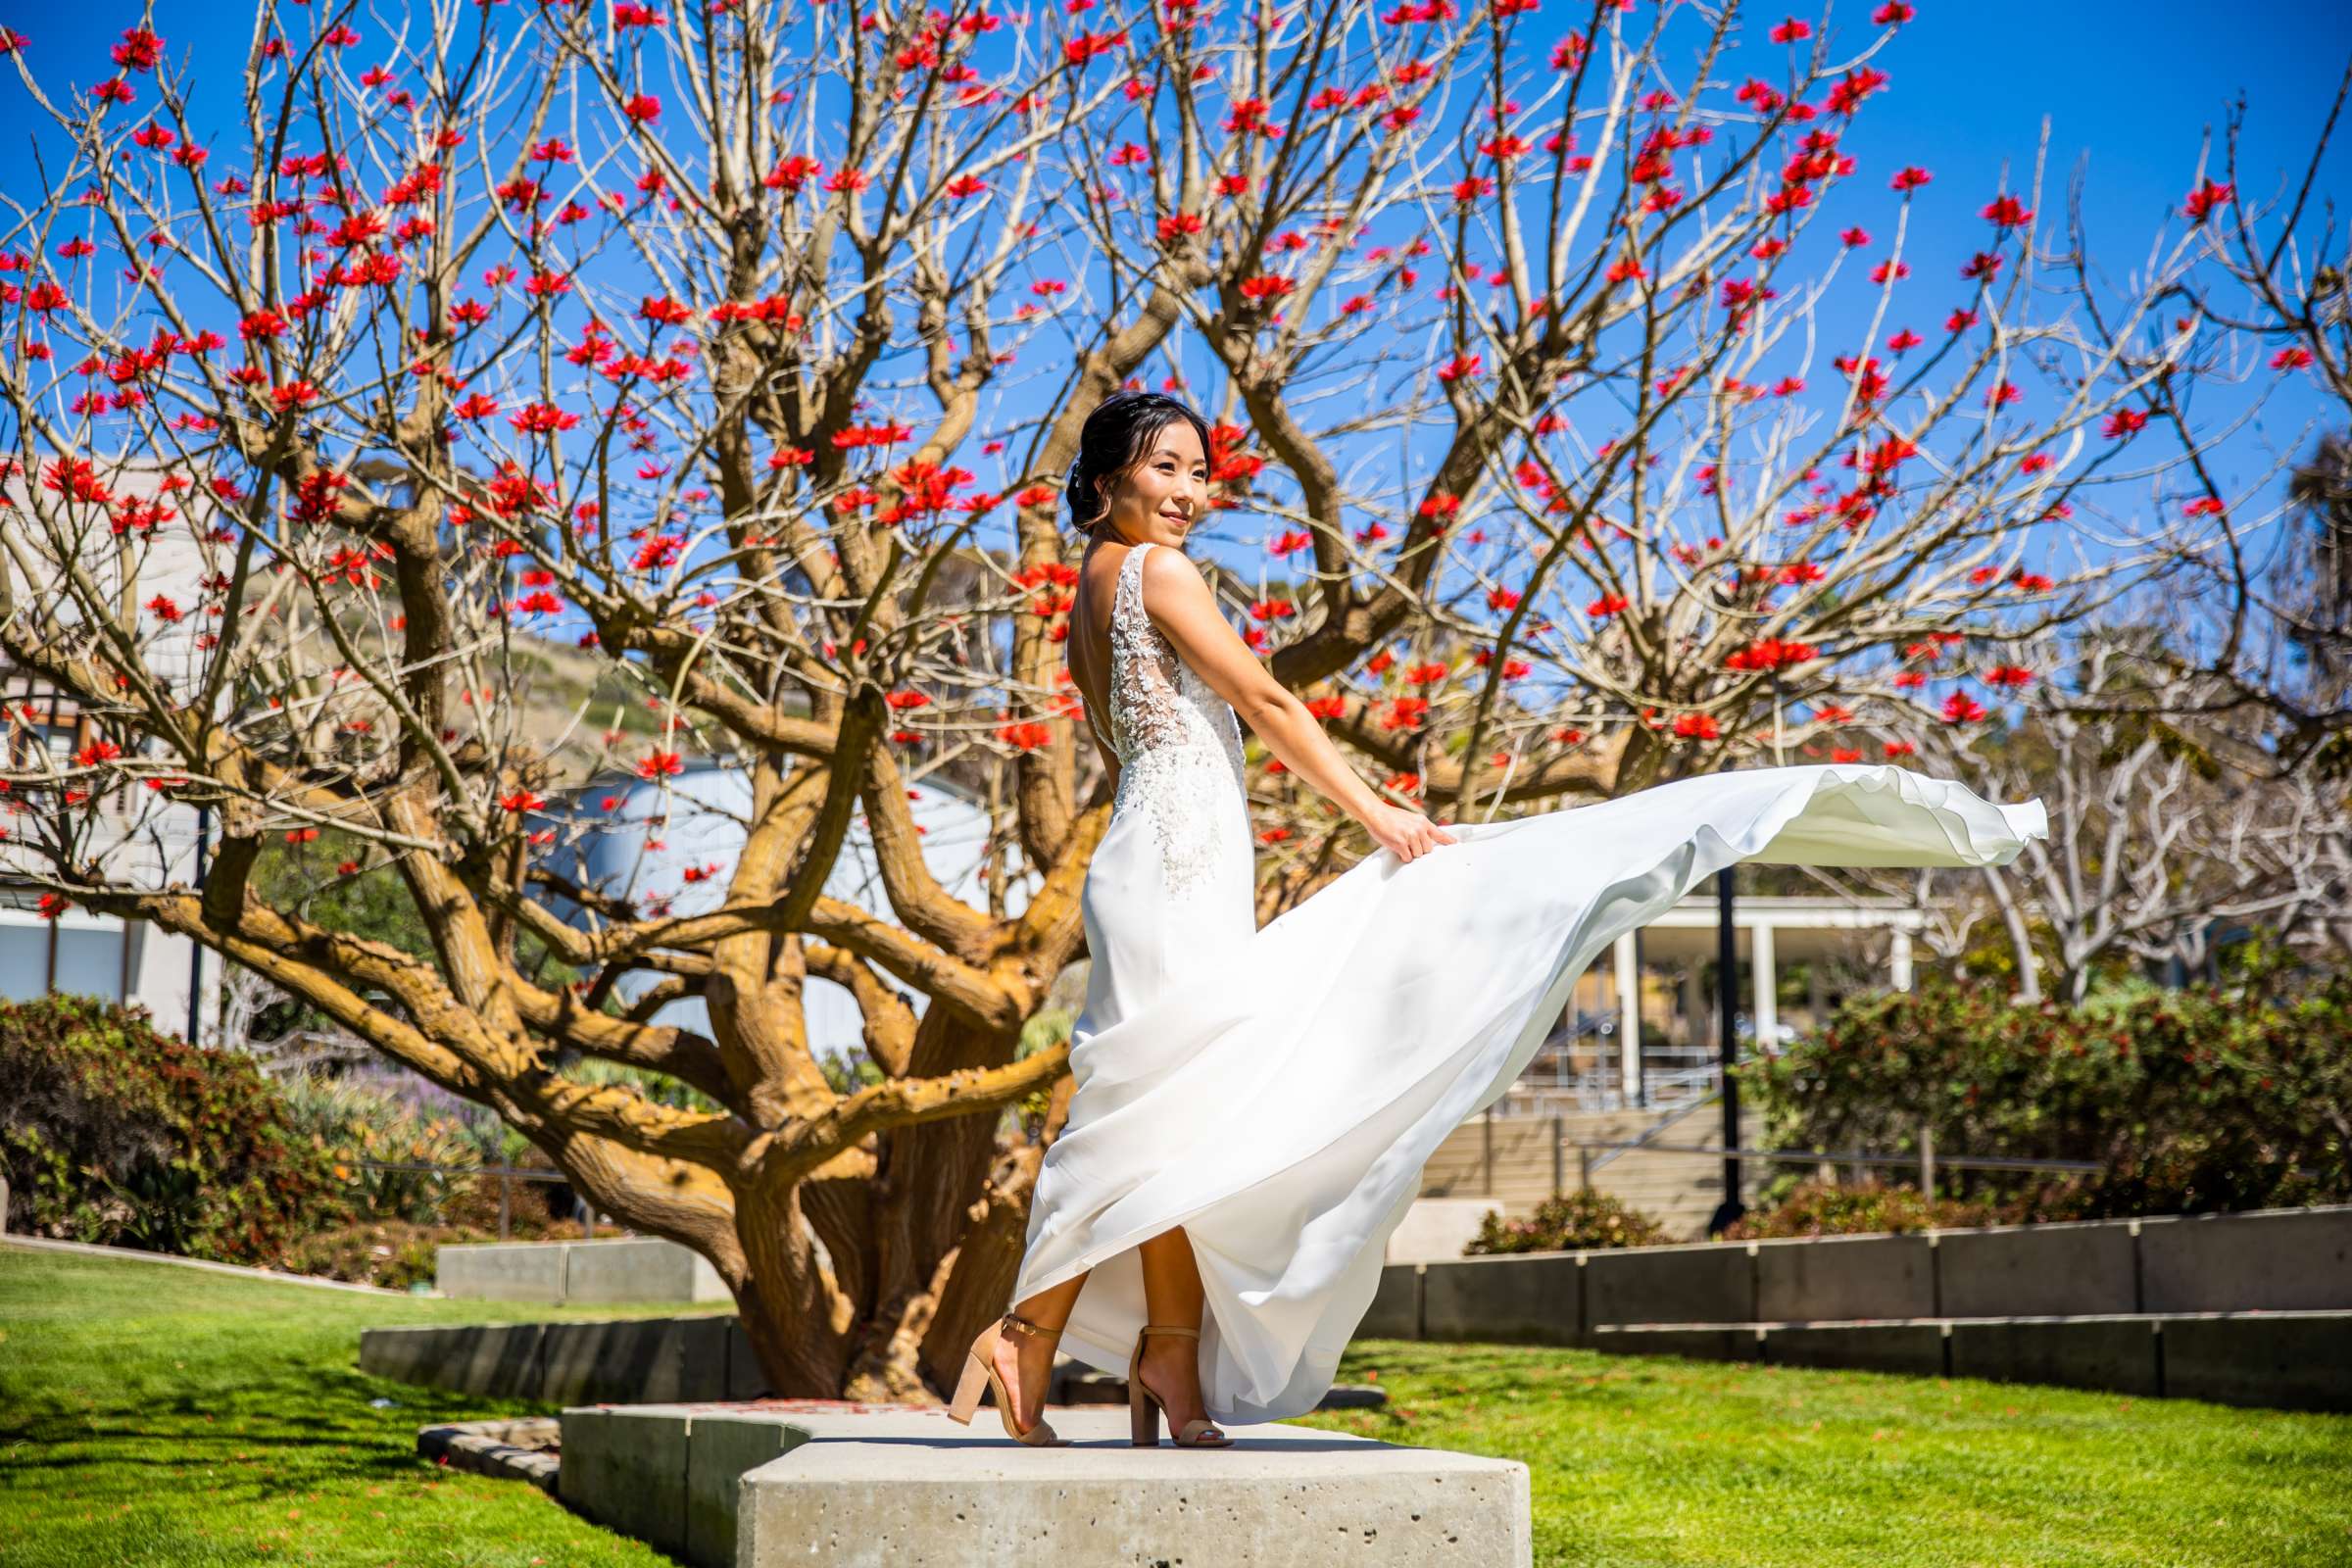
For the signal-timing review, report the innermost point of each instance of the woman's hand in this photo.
(1408, 834)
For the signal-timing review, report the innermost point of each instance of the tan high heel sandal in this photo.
(1144, 1407)
(980, 1371)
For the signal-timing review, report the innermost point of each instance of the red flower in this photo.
(2009, 675)
(644, 109)
(1696, 727)
(543, 419)
(1025, 736)
(2006, 211)
(1962, 709)
(1909, 178)
(139, 50)
(521, 801)
(1791, 31)
(2201, 202)
(660, 764)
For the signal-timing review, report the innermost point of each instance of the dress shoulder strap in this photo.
(1127, 599)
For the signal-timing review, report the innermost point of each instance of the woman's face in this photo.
(1164, 496)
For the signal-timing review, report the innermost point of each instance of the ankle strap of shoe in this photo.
(1015, 1320)
(1172, 1328)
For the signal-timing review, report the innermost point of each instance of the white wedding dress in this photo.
(1276, 1091)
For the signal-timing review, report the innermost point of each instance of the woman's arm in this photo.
(1181, 605)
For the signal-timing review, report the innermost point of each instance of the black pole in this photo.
(203, 832)
(1726, 993)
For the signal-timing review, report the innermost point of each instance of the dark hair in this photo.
(1113, 439)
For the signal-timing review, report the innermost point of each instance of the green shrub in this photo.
(1576, 1222)
(2189, 1100)
(1869, 1209)
(363, 1125)
(115, 1132)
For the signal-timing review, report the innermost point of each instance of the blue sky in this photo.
(2129, 93)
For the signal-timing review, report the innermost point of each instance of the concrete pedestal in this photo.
(903, 1487)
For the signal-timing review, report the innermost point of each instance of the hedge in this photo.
(2189, 1100)
(113, 1132)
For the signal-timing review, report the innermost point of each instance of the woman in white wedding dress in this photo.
(1253, 1106)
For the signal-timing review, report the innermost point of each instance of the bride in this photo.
(1252, 1108)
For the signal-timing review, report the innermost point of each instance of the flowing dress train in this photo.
(1276, 1090)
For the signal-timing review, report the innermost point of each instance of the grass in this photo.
(1653, 1462)
(152, 1415)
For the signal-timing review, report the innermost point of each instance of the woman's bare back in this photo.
(1087, 654)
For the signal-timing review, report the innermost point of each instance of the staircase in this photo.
(1519, 1161)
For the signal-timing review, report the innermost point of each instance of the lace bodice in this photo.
(1178, 744)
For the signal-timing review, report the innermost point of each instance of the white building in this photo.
(656, 833)
(1653, 990)
(140, 838)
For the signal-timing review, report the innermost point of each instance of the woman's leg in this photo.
(1026, 1362)
(1172, 1295)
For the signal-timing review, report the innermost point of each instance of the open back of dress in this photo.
(1276, 1091)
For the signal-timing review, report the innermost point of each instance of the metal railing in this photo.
(1592, 1155)
(508, 1176)
(1647, 1140)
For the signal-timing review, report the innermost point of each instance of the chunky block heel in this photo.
(1144, 1408)
(980, 1372)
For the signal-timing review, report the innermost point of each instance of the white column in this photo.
(1767, 981)
(1898, 960)
(1629, 1018)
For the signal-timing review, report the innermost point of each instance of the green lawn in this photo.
(153, 1415)
(1639, 1460)
(157, 1415)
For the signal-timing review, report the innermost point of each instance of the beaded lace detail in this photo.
(1178, 744)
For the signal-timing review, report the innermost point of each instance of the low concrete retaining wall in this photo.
(628, 1268)
(2082, 1304)
(2274, 1361)
(628, 1360)
(2273, 1261)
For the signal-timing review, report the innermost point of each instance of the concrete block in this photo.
(638, 1268)
(1916, 1348)
(2116, 1353)
(2037, 1271)
(720, 1452)
(746, 1380)
(1722, 1343)
(502, 1271)
(650, 1360)
(1437, 1229)
(2276, 1259)
(499, 1359)
(1707, 1283)
(1530, 1298)
(1842, 1277)
(1395, 1310)
(2283, 1360)
(891, 1488)
(405, 1355)
(626, 1469)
